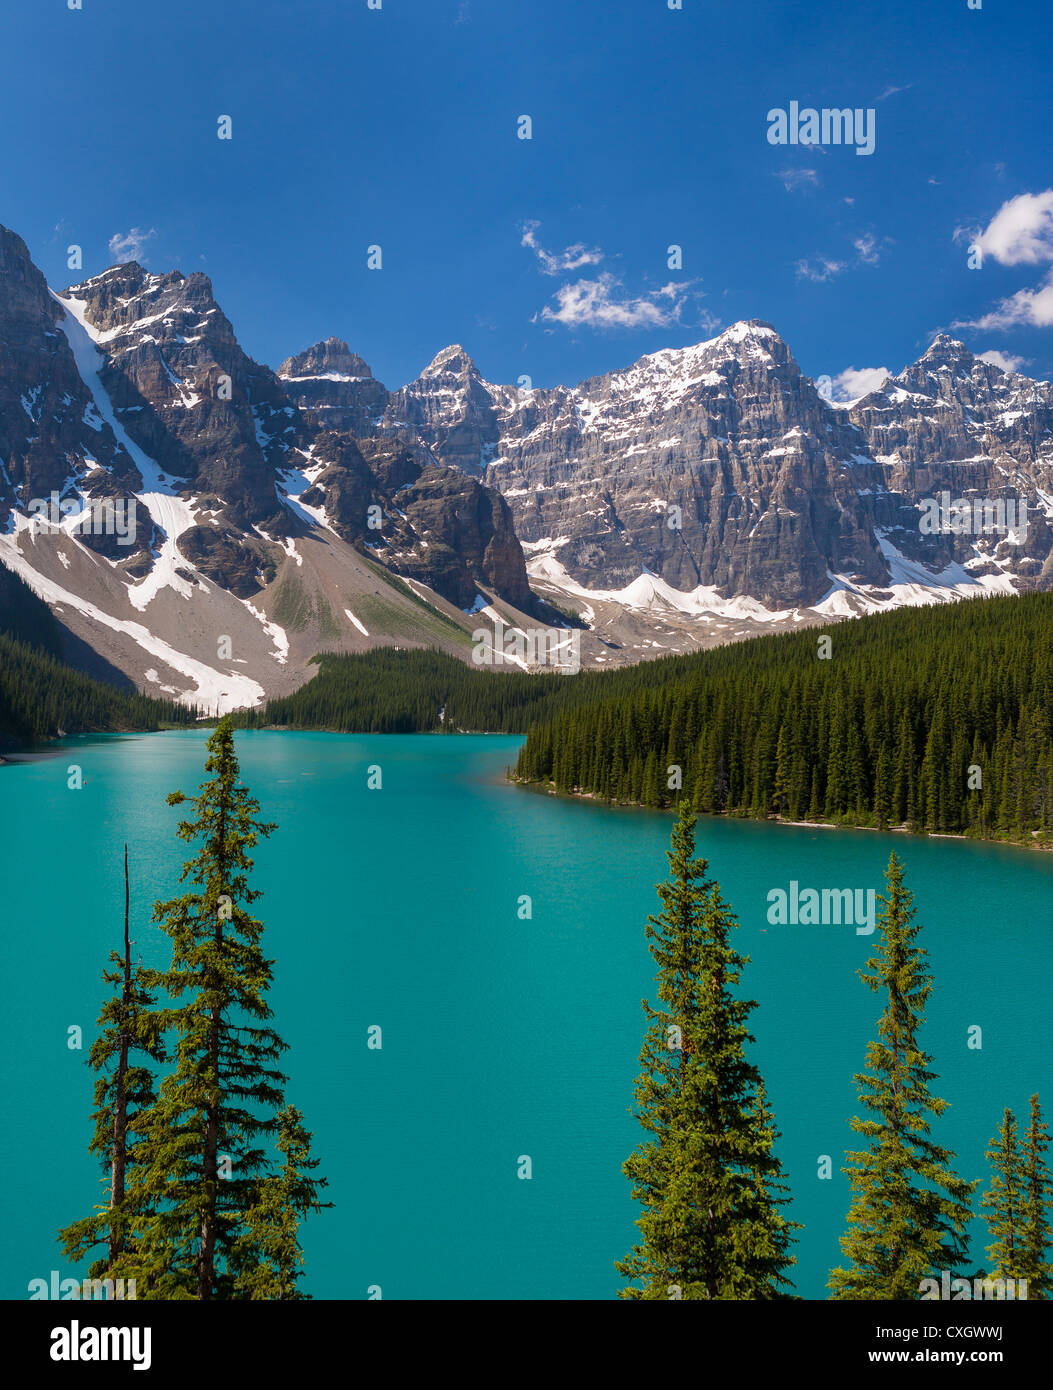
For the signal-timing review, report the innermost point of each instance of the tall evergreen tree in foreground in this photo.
(124, 1089)
(1037, 1188)
(1004, 1203)
(909, 1210)
(708, 1178)
(202, 1165)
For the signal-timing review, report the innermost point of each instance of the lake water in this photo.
(501, 1037)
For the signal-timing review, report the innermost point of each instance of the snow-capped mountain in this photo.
(189, 521)
(701, 494)
(718, 474)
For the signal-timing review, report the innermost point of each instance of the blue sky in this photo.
(547, 257)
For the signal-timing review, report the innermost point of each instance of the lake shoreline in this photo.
(547, 789)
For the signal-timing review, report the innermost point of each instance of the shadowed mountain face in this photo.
(171, 498)
(223, 429)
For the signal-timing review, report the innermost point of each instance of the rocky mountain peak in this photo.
(332, 359)
(453, 360)
(946, 351)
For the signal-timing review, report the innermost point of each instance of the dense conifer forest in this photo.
(41, 696)
(940, 719)
(937, 718)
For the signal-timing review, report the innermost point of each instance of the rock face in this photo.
(336, 387)
(953, 424)
(470, 527)
(225, 433)
(264, 512)
(699, 495)
(453, 410)
(52, 439)
(720, 465)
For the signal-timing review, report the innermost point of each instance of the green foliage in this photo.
(1004, 1202)
(707, 1176)
(204, 1214)
(124, 1091)
(40, 695)
(268, 1253)
(1037, 1197)
(909, 1211)
(885, 732)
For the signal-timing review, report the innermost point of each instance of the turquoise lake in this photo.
(501, 1037)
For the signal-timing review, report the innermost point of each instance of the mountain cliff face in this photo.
(336, 386)
(248, 527)
(721, 467)
(699, 495)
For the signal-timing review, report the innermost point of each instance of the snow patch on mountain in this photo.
(214, 689)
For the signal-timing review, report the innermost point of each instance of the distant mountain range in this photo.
(223, 522)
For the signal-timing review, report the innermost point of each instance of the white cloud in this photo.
(128, 246)
(1005, 360)
(600, 303)
(825, 270)
(792, 179)
(854, 382)
(573, 258)
(1021, 231)
(891, 91)
(1029, 308)
(866, 245)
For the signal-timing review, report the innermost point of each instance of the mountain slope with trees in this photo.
(41, 695)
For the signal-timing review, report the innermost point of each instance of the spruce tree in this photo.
(1004, 1203)
(909, 1210)
(268, 1252)
(707, 1176)
(201, 1140)
(1036, 1193)
(124, 1088)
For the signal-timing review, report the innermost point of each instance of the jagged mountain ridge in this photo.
(267, 498)
(256, 535)
(786, 499)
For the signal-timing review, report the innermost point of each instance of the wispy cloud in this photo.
(603, 303)
(1020, 233)
(1005, 360)
(793, 179)
(128, 246)
(891, 91)
(823, 269)
(556, 262)
(1026, 309)
(866, 246)
(820, 268)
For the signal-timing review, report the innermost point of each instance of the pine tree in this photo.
(1037, 1187)
(123, 1090)
(909, 1210)
(1004, 1202)
(269, 1250)
(708, 1178)
(201, 1140)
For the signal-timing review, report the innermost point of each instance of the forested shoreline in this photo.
(934, 719)
(937, 720)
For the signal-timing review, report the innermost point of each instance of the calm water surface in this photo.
(501, 1037)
